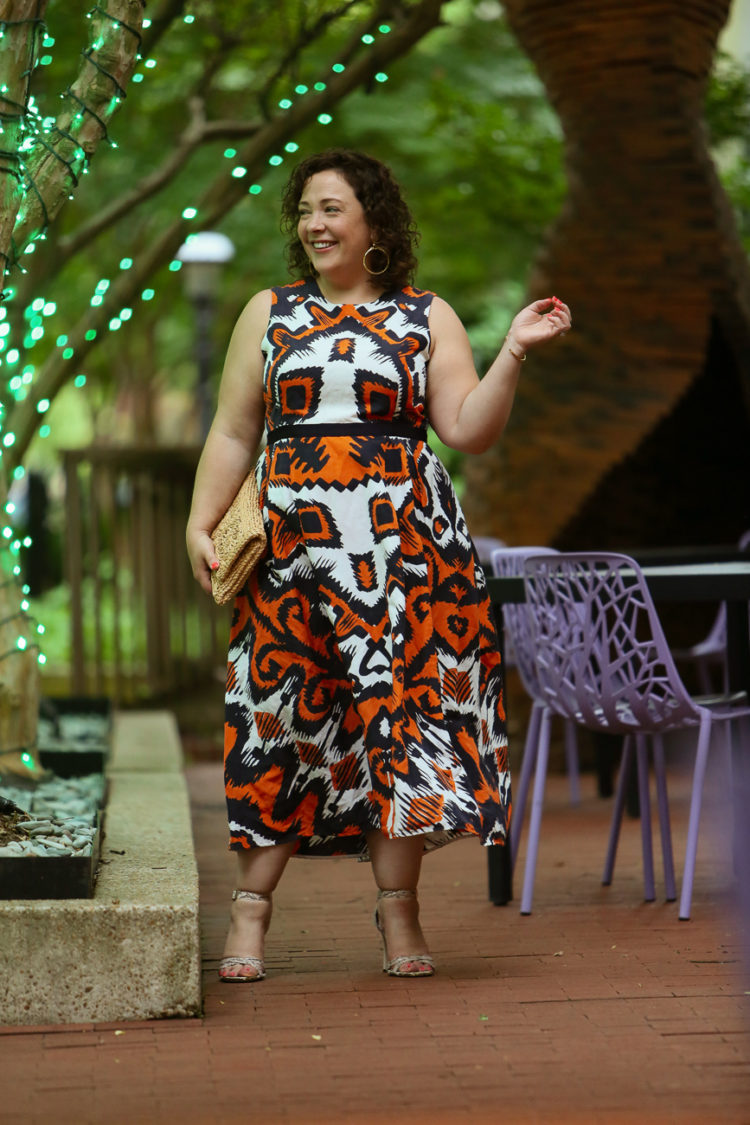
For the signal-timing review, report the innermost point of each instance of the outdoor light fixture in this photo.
(202, 257)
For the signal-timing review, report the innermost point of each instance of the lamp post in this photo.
(202, 256)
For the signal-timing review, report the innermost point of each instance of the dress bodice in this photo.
(327, 363)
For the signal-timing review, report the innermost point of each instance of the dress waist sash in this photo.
(349, 429)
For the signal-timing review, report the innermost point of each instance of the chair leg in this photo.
(535, 820)
(641, 754)
(528, 765)
(618, 809)
(571, 761)
(660, 774)
(739, 786)
(703, 671)
(691, 847)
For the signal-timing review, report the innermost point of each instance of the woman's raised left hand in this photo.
(542, 320)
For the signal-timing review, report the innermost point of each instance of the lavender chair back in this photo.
(603, 660)
(484, 545)
(507, 562)
(601, 654)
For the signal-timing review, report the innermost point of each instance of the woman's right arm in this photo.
(233, 438)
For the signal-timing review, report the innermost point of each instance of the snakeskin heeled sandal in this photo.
(396, 966)
(245, 961)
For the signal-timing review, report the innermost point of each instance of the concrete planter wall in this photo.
(131, 951)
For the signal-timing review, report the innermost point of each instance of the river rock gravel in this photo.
(57, 818)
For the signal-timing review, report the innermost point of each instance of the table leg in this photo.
(500, 872)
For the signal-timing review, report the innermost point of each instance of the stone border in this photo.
(131, 952)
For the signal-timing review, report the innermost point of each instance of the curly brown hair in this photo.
(385, 212)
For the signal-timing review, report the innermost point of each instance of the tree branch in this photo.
(160, 24)
(227, 190)
(49, 263)
(305, 37)
(197, 133)
(222, 195)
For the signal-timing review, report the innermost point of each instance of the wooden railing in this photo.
(140, 626)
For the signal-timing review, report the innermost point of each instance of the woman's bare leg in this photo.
(259, 871)
(396, 865)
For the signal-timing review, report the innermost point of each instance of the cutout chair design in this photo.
(603, 660)
(519, 652)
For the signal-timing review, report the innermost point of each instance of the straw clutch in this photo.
(239, 541)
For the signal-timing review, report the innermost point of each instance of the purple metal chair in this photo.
(484, 545)
(603, 660)
(711, 652)
(519, 652)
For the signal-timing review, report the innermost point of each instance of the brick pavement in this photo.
(596, 1008)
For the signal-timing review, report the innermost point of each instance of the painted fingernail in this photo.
(215, 565)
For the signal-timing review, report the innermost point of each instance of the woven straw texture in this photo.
(239, 541)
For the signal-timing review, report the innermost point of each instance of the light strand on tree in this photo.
(34, 131)
(19, 117)
(117, 22)
(36, 128)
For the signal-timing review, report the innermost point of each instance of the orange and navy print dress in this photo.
(364, 688)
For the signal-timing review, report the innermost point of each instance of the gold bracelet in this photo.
(520, 358)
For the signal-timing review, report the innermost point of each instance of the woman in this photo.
(364, 711)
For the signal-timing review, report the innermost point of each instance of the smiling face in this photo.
(332, 226)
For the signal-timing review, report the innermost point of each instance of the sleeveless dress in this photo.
(364, 688)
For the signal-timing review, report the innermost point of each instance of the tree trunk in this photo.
(647, 254)
(32, 192)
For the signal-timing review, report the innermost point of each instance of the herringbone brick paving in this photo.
(596, 1008)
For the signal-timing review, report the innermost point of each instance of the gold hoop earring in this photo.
(380, 250)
